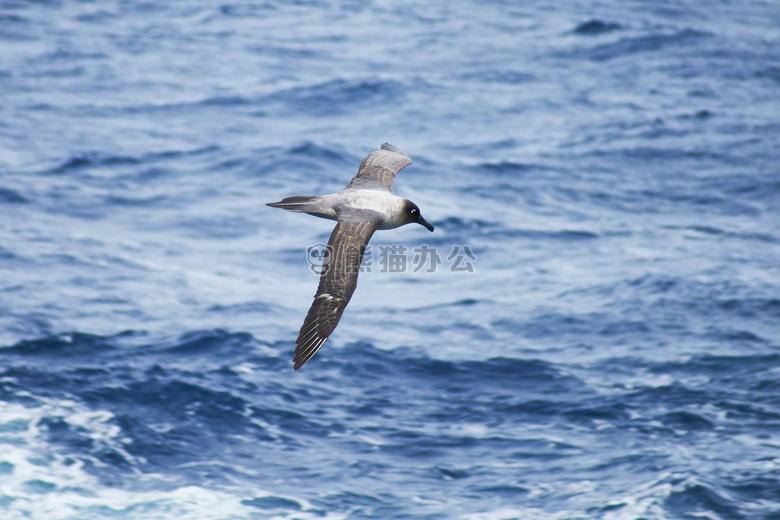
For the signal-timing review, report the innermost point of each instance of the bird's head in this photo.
(413, 216)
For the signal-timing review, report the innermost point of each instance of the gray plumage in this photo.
(365, 205)
(380, 166)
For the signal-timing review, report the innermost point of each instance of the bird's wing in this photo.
(379, 168)
(337, 283)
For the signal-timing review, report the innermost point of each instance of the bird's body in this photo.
(365, 205)
(388, 206)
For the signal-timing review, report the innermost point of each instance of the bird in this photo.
(364, 206)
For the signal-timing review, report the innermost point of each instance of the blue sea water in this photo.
(612, 166)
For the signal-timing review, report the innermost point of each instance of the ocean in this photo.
(591, 332)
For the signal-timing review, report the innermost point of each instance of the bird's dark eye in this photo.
(413, 211)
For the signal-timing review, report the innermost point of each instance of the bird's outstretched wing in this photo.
(380, 167)
(337, 283)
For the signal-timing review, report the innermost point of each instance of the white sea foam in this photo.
(42, 481)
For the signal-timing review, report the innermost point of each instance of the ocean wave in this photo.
(596, 26)
(695, 499)
(89, 160)
(10, 196)
(171, 416)
(630, 46)
(337, 96)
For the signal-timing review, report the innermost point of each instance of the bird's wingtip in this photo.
(298, 363)
(390, 148)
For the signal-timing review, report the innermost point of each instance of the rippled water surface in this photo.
(612, 167)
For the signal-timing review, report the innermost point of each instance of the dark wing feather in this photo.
(380, 167)
(337, 283)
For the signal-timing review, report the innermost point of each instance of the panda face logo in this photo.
(319, 257)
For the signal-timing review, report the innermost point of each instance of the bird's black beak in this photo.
(425, 223)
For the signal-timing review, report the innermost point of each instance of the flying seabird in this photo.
(365, 205)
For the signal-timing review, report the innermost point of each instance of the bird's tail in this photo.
(300, 203)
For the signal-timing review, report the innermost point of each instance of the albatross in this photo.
(365, 205)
